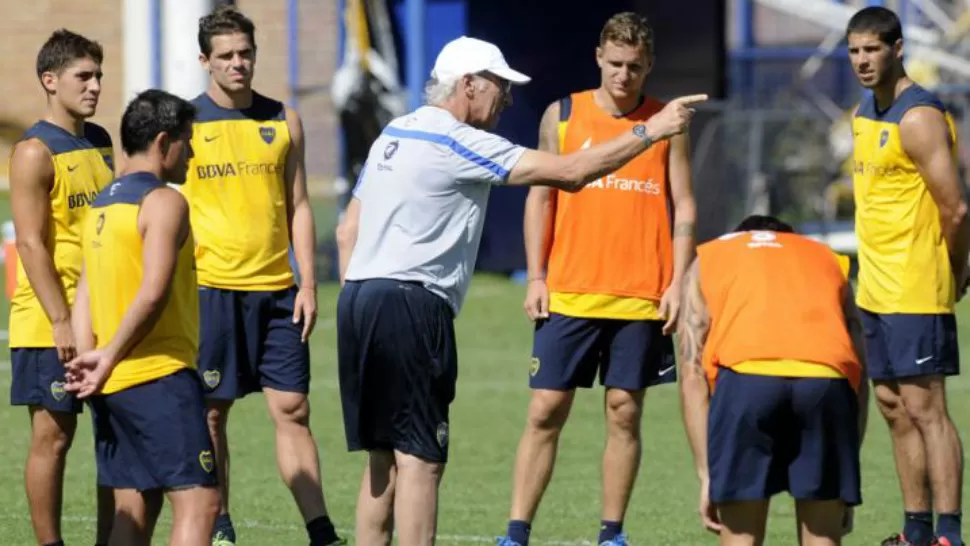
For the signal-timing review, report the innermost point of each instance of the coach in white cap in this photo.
(408, 244)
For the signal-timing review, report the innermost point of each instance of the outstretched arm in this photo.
(573, 171)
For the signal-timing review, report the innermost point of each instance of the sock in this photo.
(918, 528)
(609, 530)
(321, 531)
(58, 543)
(948, 527)
(224, 525)
(519, 531)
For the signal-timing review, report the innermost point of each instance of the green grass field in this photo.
(487, 418)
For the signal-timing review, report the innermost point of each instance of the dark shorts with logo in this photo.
(627, 354)
(248, 342)
(38, 380)
(900, 346)
(154, 436)
(398, 367)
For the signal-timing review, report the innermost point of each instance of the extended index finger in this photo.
(687, 100)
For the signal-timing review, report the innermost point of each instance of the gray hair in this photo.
(437, 91)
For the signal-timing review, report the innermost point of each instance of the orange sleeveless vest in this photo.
(774, 296)
(614, 236)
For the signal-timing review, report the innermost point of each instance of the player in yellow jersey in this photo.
(911, 223)
(56, 169)
(138, 304)
(247, 191)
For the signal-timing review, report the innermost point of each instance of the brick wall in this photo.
(24, 26)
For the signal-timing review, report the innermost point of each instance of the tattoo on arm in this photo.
(695, 322)
(684, 229)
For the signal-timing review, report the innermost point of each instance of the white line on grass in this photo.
(271, 526)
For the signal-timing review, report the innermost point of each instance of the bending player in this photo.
(768, 325)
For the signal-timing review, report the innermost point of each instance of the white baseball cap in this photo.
(466, 55)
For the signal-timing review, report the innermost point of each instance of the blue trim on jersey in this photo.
(455, 146)
(912, 96)
(60, 141)
(261, 109)
(360, 180)
(129, 189)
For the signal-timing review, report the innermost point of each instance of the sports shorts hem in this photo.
(284, 388)
(570, 353)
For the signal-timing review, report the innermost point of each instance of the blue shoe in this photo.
(618, 540)
(505, 541)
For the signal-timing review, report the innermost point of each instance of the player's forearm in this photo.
(685, 217)
(304, 243)
(694, 403)
(42, 275)
(857, 335)
(537, 216)
(863, 396)
(956, 232)
(596, 162)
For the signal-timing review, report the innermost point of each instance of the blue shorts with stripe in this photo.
(628, 354)
(900, 346)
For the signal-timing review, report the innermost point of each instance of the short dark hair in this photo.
(225, 19)
(151, 113)
(758, 222)
(878, 20)
(62, 48)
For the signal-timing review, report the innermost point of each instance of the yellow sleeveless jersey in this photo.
(904, 264)
(82, 166)
(237, 194)
(113, 261)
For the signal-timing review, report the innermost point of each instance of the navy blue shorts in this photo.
(398, 367)
(772, 434)
(38, 380)
(629, 354)
(248, 342)
(900, 346)
(154, 436)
